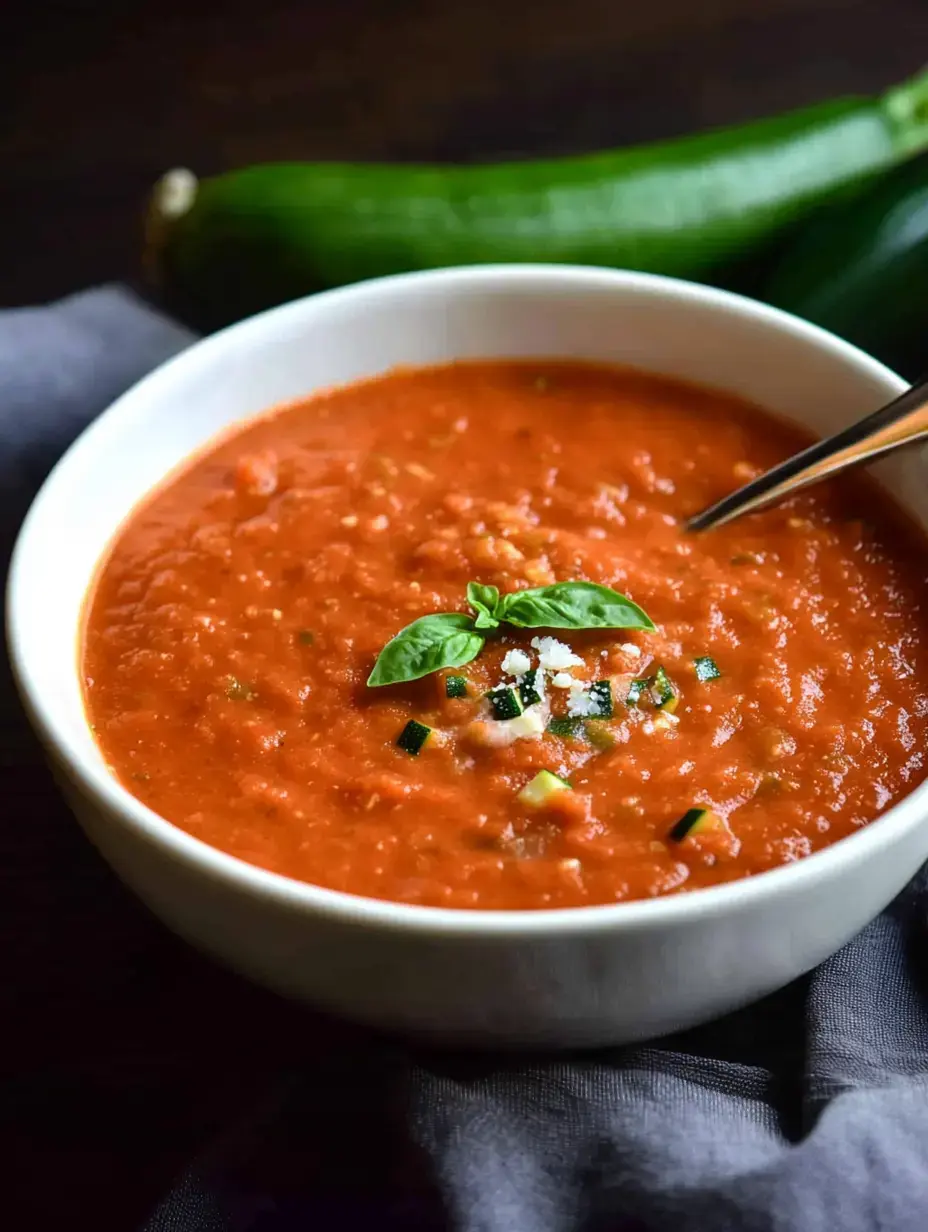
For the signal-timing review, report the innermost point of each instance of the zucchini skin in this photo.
(861, 267)
(414, 737)
(255, 237)
(505, 702)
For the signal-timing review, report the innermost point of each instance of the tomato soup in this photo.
(778, 703)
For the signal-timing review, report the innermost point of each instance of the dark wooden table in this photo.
(124, 1051)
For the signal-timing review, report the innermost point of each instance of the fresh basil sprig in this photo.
(452, 639)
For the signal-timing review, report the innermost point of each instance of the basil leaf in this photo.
(427, 645)
(484, 600)
(571, 605)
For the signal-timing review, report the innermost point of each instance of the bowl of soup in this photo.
(370, 648)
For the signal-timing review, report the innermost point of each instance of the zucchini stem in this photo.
(172, 197)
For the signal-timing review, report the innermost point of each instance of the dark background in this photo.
(124, 1052)
(101, 98)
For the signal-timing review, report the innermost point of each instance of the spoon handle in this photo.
(901, 422)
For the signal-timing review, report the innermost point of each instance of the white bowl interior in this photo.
(652, 323)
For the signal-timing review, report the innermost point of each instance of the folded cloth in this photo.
(805, 1113)
(59, 367)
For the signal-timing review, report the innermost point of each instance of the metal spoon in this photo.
(902, 422)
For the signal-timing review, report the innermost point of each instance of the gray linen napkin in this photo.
(59, 367)
(805, 1113)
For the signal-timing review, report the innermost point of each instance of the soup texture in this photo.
(778, 703)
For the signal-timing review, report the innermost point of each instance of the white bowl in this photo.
(596, 975)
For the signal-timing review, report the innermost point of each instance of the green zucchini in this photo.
(542, 789)
(663, 693)
(504, 702)
(694, 821)
(706, 668)
(637, 690)
(232, 244)
(600, 734)
(860, 270)
(528, 692)
(601, 696)
(413, 738)
(455, 686)
(566, 728)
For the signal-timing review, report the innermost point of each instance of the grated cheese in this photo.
(579, 703)
(529, 725)
(516, 663)
(631, 650)
(554, 655)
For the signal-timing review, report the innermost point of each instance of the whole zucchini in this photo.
(226, 246)
(861, 270)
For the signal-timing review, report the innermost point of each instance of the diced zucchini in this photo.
(706, 668)
(601, 697)
(657, 689)
(306, 637)
(529, 725)
(542, 789)
(527, 691)
(413, 737)
(636, 691)
(455, 686)
(663, 694)
(566, 728)
(695, 821)
(600, 734)
(504, 702)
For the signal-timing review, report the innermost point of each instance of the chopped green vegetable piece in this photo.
(601, 695)
(412, 738)
(568, 729)
(527, 691)
(636, 690)
(236, 691)
(600, 734)
(306, 637)
(504, 702)
(663, 692)
(706, 668)
(243, 241)
(542, 788)
(456, 686)
(694, 821)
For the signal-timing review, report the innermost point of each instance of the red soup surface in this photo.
(240, 611)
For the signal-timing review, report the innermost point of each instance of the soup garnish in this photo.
(450, 639)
